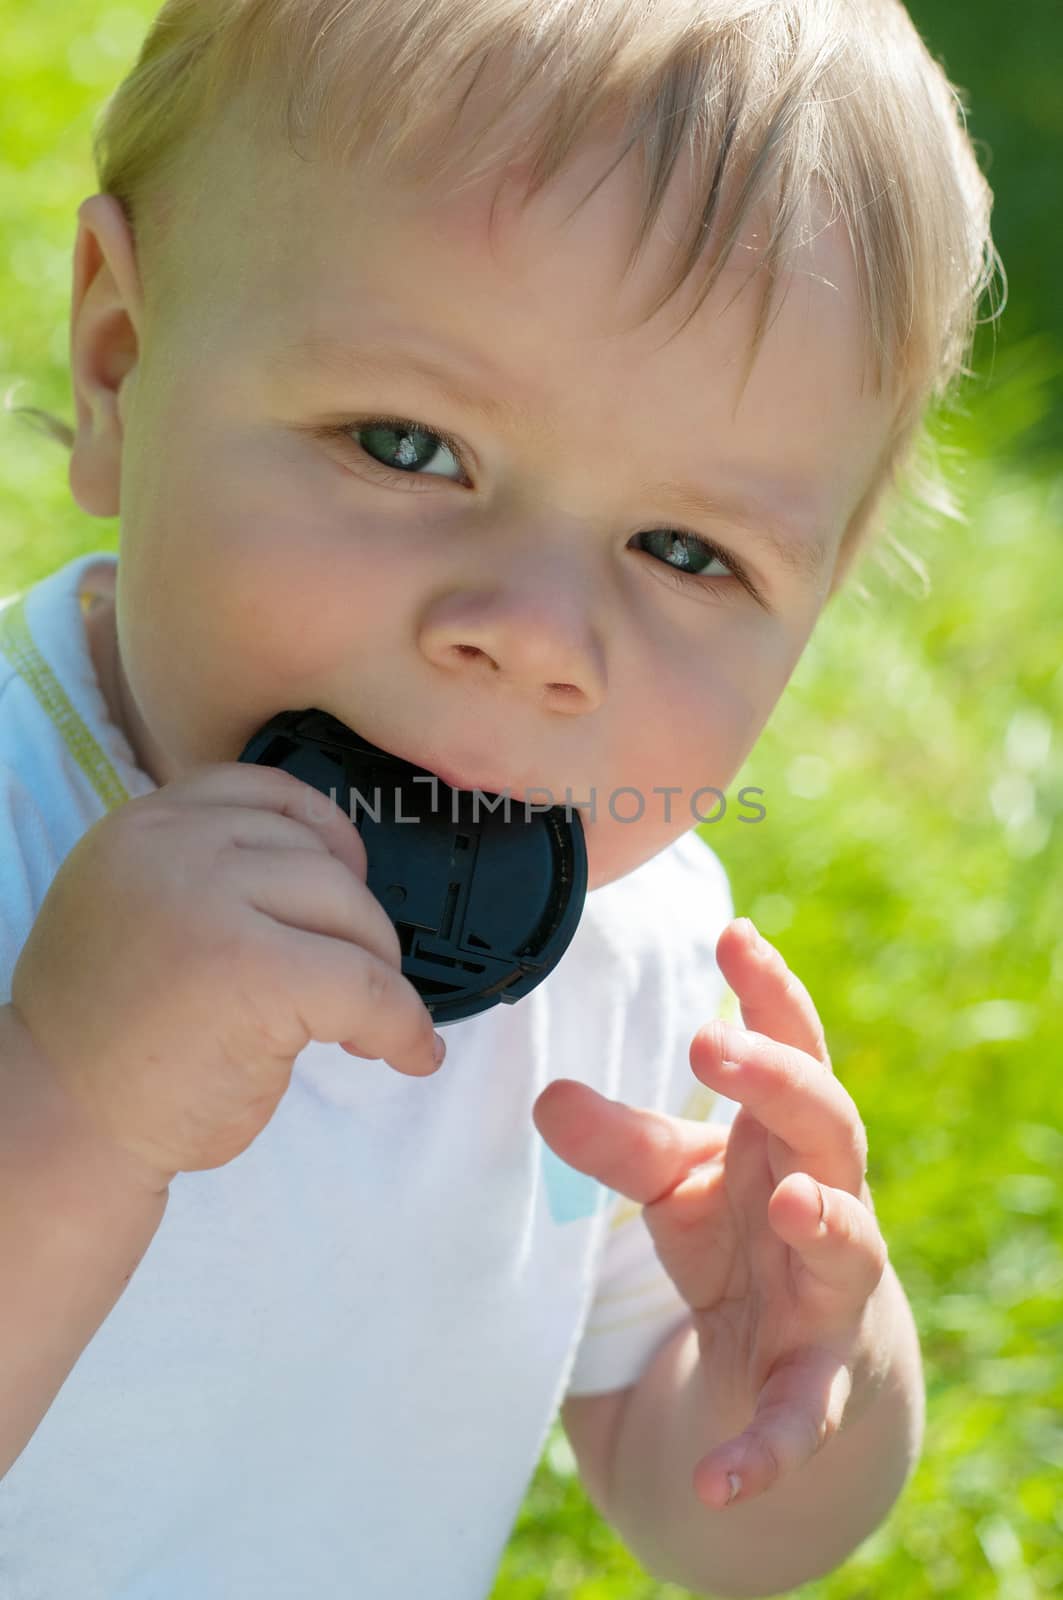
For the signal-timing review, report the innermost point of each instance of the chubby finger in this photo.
(799, 1409)
(834, 1234)
(789, 1094)
(773, 999)
(641, 1153)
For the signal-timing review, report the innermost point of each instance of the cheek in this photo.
(332, 599)
(693, 723)
(261, 548)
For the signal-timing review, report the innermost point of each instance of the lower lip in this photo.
(454, 782)
(452, 779)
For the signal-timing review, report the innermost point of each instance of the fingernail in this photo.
(736, 1486)
(439, 1050)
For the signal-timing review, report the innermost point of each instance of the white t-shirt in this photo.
(334, 1370)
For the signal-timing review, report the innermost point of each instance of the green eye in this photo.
(409, 446)
(397, 450)
(694, 553)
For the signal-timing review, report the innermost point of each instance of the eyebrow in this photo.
(804, 556)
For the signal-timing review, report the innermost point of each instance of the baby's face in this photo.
(517, 610)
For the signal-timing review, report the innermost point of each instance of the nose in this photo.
(533, 632)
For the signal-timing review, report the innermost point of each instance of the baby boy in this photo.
(516, 385)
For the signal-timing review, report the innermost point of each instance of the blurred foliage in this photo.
(908, 866)
(1006, 62)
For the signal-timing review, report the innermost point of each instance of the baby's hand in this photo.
(766, 1228)
(191, 945)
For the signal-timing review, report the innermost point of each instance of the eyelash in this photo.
(342, 432)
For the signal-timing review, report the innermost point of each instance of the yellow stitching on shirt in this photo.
(728, 1007)
(653, 1314)
(698, 1108)
(698, 1105)
(626, 1211)
(614, 1296)
(18, 645)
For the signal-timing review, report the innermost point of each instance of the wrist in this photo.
(56, 1127)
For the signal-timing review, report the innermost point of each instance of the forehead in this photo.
(546, 289)
(307, 213)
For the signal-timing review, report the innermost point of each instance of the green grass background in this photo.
(909, 864)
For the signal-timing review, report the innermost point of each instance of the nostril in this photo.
(472, 652)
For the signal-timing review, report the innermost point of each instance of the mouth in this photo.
(458, 777)
(487, 783)
(474, 776)
(537, 795)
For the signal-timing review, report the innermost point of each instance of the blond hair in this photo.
(771, 98)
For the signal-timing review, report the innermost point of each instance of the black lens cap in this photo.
(485, 891)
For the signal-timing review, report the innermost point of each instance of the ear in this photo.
(106, 320)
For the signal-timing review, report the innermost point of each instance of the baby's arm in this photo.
(113, 1079)
(74, 1225)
